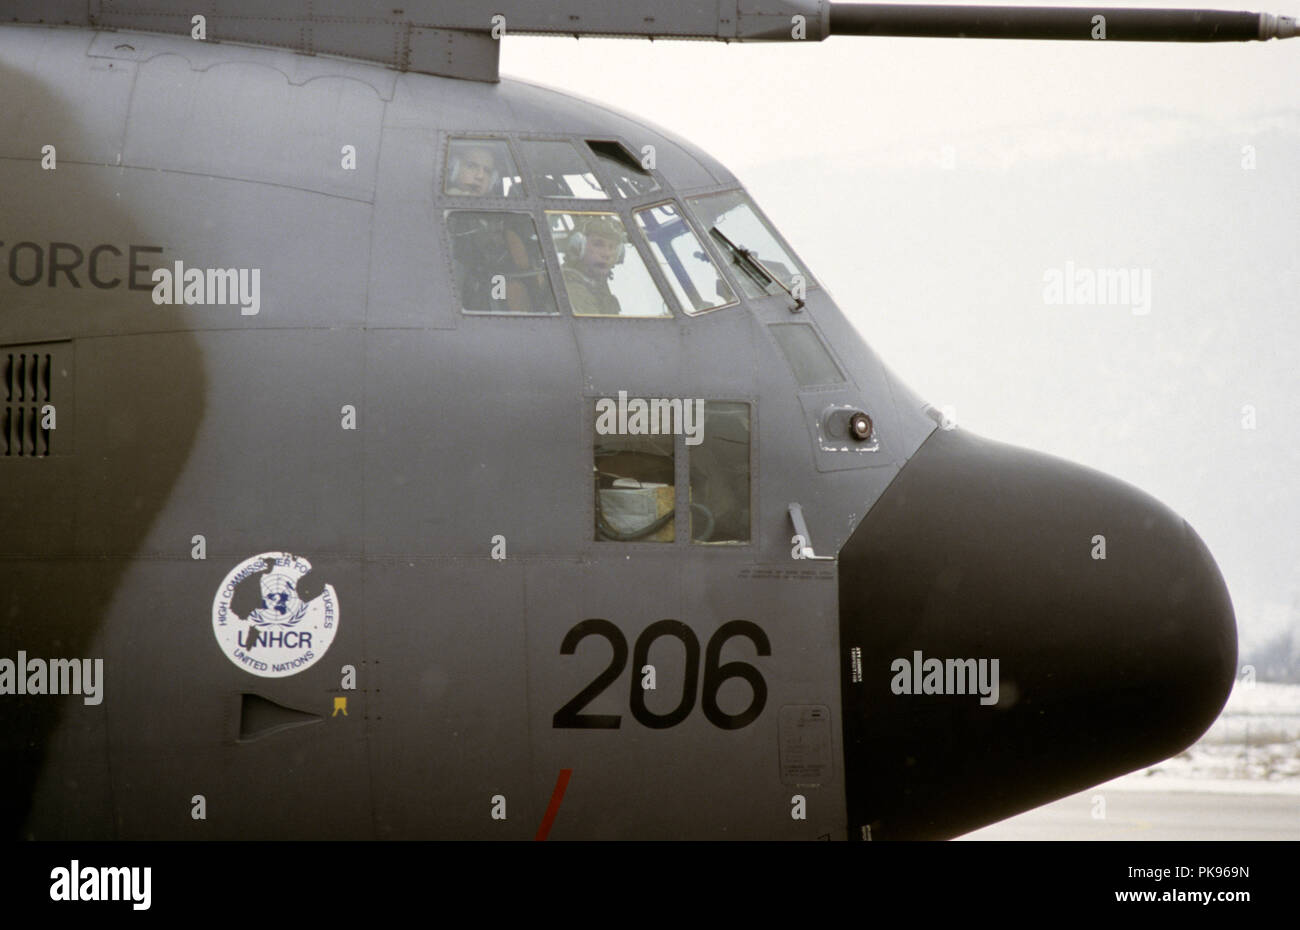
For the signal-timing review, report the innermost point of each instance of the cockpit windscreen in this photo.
(735, 216)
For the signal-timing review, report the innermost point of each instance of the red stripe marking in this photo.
(554, 808)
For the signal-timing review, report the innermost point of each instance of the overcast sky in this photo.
(931, 184)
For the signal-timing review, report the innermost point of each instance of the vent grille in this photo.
(30, 377)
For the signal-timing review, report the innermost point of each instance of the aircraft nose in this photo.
(1109, 622)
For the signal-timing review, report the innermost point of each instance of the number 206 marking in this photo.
(568, 716)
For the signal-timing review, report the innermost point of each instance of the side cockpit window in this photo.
(720, 475)
(695, 280)
(603, 273)
(629, 177)
(809, 361)
(559, 170)
(497, 264)
(737, 228)
(635, 486)
(480, 168)
(634, 450)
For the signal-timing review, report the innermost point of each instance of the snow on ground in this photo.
(1253, 748)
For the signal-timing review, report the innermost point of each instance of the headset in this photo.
(577, 244)
(459, 146)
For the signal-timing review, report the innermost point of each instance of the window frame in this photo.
(647, 261)
(451, 263)
(752, 404)
(530, 174)
(440, 170)
(721, 257)
(692, 225)
(682, 481)
(602, 171)
(825, 345)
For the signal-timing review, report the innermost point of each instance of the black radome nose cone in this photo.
(980, 550)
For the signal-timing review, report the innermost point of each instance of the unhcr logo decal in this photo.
(656, 416)
(284, 634)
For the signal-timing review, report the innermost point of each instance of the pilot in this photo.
(472, 170)
(595, 246)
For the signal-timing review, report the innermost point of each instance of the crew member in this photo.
(595, 246)
(472, 170)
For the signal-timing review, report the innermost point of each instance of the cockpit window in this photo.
(630, 179)
(559, 170)
(735, 216)
(808, 358)
(603, 273)
(694, 278)
(634, 450)
(635, 483)
(481, 168)
(720, 475)
(497, 265)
